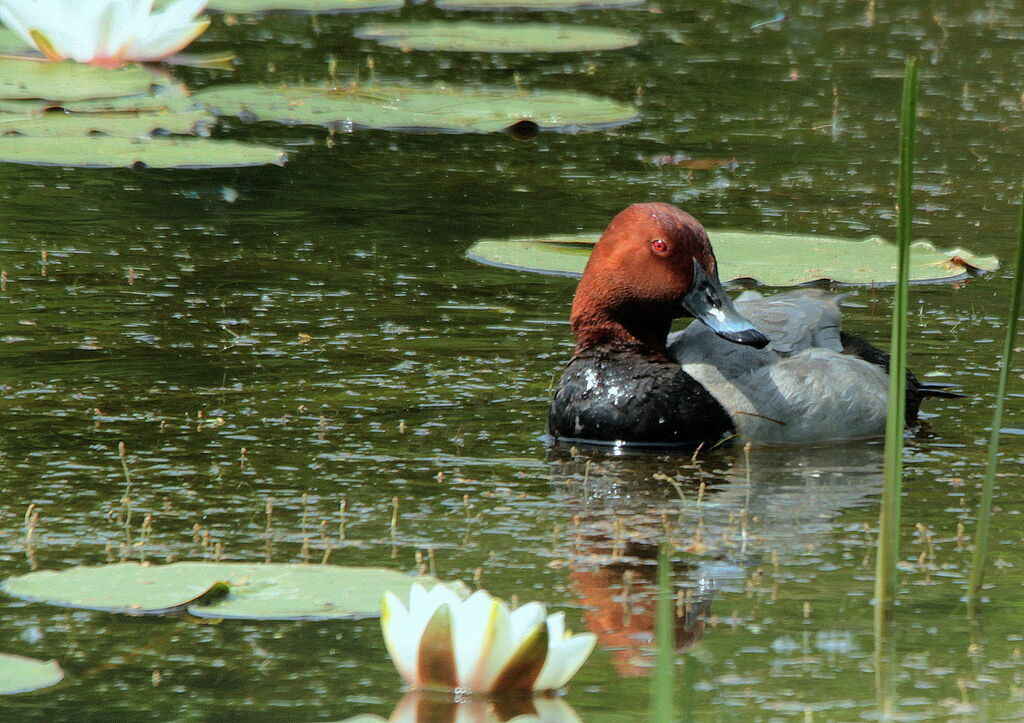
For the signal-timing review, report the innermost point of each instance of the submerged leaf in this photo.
(116, 152)
(20, 675)
(773, 259)
(399, 107)
(496, 37)
(309, 6)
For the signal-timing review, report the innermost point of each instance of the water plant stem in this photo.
(889, 515)
(663, 682)
(979, 558)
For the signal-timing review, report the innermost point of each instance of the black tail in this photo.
(938, 391)
(916, 391)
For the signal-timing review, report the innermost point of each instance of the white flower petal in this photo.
(525, 618)
(565, 658)
(104, 32)
(17, 18)
(402, 647)
(478, 644)
(477, 622)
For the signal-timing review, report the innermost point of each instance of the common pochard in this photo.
(771, 369)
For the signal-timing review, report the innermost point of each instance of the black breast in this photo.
(612, 396)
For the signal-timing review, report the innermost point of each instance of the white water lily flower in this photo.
(479, 644)
(109, 33)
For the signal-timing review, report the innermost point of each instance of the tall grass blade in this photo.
(889, 516)
(664, 682)
(981, 533)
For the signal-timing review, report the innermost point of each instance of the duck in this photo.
(774, 369)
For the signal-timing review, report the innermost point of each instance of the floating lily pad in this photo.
(20, 675)
(114, 152)
(534, 4)
(22, 78)
(308, 6)
(125, 587)
(496, 37)
(269, 591)
(306, 592)
(773, 259)
(127, 125)
(397, 107)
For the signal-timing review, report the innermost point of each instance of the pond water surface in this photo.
(322, 341)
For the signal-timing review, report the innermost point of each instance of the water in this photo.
(276, 347)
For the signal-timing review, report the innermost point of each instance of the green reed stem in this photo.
(889, 516)
(980, 556)
(663, 684)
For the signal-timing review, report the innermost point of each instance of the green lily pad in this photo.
(496, 37)
(20, 675)
(126, 587)
(534, 4)
(274, 591)
(114, 152)
(128, 125)
(309, 6)
(399, 107)
(23, 78)
(773, 259)
(268, 591)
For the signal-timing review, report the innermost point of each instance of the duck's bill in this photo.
(707, 302)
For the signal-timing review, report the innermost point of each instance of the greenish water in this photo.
(322, 339)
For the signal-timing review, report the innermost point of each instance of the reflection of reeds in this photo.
(980, 556)
(889, 516)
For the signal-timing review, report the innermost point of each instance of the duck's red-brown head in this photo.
(652, 264)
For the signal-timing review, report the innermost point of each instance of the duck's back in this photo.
(801, 387)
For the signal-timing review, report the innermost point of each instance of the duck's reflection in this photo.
(729, 516)
(427, 707)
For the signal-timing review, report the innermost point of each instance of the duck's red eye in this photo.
(659, 246)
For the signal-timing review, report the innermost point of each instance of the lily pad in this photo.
(127, 125)
(497, 37)
(399, 107)
(309, 6)
(24, 78)
(125, 587)
(773, 259)
(268, 591)
(306, 592)
(20, 675)
(114, 152)
(534, 4)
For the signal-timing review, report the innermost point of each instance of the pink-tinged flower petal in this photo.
(436, 660)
